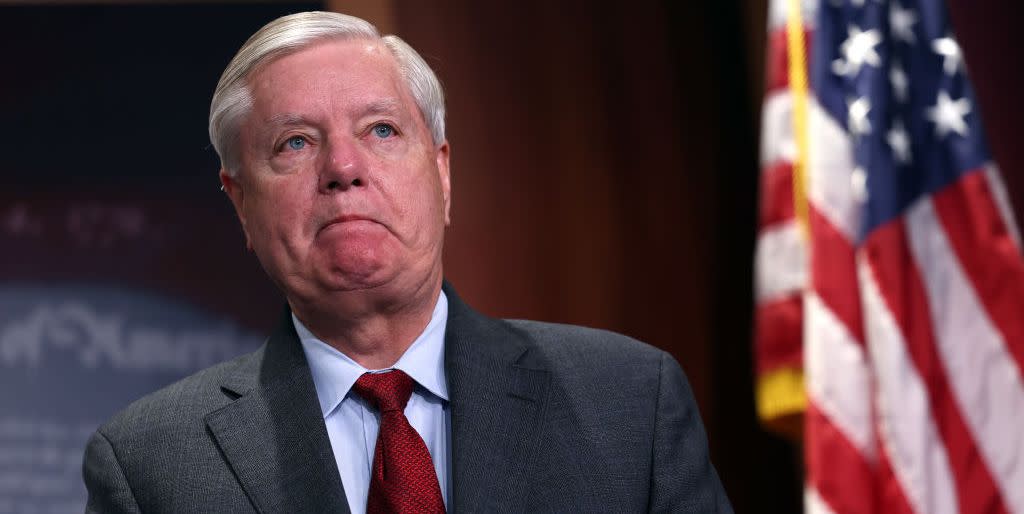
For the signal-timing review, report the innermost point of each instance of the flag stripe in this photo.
(917, 454)
(777, 142)
(842, 492)
(985, 247)
(776, 194)
(780, 262)
(830, 170)
(890, 497)
(777, 334)
(984, 376)
(903, 293)
(834, 275)
(838, 379)
(776, 76)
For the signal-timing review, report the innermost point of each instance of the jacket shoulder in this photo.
(182, 403)
(574, 346)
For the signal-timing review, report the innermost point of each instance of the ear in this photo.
(233, 187)
(444, 173)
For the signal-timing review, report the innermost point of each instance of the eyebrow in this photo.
(386, 106)
(288, 119)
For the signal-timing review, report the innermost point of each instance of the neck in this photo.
(374, 332)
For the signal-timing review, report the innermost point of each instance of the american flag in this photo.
(890, 281)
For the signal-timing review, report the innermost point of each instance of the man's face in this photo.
(341, 187)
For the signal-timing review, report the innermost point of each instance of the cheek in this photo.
(279, 211)
(425, 205)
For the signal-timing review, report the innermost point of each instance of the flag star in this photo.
(902, 21)
(858, 49)
(859, 184)
(858, 116)
(899, 80)
(899, 141)
(839, 67)
(948, 114)
(950, 52)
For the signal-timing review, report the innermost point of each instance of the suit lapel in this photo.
(497, 399)
(274, 436)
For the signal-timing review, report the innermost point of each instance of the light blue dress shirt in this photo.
(352, 424)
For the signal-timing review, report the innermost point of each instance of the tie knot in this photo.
(387, 391)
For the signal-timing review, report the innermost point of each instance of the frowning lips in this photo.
(346, 218)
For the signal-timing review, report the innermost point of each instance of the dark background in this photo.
(604, 160)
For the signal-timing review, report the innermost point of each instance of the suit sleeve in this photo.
(109, 492)
(682, 476)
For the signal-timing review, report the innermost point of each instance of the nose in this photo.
(344, 168)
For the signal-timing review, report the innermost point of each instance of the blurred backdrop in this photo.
(605, 171)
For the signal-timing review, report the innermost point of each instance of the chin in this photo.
(353, 278)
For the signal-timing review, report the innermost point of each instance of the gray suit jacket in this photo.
(544, 418)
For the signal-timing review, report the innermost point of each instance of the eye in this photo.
(383, 130)
(296, 143)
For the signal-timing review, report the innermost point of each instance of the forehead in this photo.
(329, 76)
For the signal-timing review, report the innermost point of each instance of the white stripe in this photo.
(813, 504)
(780, 265)
(830, 171)
(777, 141)
(1002, 199)
(984, 377)
(778, 11)
(838, 379)
(906, 427)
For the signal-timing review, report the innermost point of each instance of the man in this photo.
(380, 391)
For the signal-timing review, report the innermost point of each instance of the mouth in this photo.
(347, 218)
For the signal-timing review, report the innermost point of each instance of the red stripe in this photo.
(777, 61)
(901, 287)
(776, 194)
(891, 499)
(990, 258)
(778, 334)
(835, 468)
(834, 273)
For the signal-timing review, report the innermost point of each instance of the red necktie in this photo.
(403, 478)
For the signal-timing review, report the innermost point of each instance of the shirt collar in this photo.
(334, 373)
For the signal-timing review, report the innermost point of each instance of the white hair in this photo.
(288, 34)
